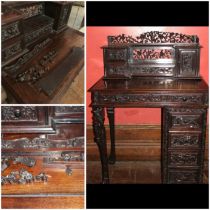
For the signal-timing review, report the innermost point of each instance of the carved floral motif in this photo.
(10, 31)
(183, 159)
(153, 37)
(10, 113)
(25, 58)
(184, 140)
(144, 54)
(32, 10)
(189, 121)
(68, 109)
(119, 98)
(39, 143)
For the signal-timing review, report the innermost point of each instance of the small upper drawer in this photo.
(115, 54)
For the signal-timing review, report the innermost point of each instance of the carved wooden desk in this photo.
(183, 105)
(41, 55)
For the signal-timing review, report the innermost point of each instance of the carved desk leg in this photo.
(100, 139)
(110, 113)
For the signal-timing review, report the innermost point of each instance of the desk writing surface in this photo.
(150, 84)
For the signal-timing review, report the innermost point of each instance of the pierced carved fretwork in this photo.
(144, 54)
(153, 37)
(184, 140)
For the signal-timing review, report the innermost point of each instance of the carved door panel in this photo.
(188, 62)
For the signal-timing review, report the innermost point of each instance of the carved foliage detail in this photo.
(12, 51)
(35, 72)
(184, 140)
(22, 60)
(29, 38)
(10, 113)
(187, 121)
(144, 54)
(183, 159)
(153, 37)
(39, 143)
(32, 10)
(10, 31)
(64, 109)
(118, 98)
(187, 62)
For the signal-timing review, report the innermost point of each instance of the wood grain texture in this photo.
(133, 142)
(72, 202)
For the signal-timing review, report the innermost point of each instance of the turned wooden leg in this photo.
(110, 114)
(100, 139)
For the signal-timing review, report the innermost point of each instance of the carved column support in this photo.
(100, 139)
(110, 114)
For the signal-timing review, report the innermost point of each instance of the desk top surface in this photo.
(145, 84)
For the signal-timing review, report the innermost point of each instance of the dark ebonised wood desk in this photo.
(183, 105)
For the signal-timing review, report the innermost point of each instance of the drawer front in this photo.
(185, 121)
(115, 54)
(183, 177)
(185, 118)
(186, 140)
(12, 50)
(179, 158)
(154, 99)
(11, 30)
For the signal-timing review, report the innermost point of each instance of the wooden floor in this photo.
(129, 172)
(75, 93)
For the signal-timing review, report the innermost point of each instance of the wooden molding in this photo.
(133, 142)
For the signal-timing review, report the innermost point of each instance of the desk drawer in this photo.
(180, 158)
(184, 140)
(185, 118)
(184, 176)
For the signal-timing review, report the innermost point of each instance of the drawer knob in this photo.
(17, 113)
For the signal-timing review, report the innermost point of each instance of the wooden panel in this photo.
(65, 202)
(133, 142)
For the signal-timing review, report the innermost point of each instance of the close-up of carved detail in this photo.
(183, 177)
(11, 113)
(184, 140)
(38, 143)
(183, 159)
(10, 31)
(153, 37)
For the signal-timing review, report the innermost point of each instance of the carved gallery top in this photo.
(41, 55)
(152, 54)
